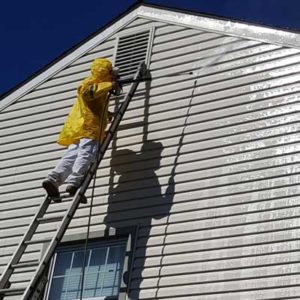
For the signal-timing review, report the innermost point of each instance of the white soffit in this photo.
(234, 28)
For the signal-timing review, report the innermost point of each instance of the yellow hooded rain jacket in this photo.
(89, 113)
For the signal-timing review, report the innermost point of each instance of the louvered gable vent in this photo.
(131, 50)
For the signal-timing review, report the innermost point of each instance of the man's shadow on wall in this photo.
(136, 198)
(135, 194)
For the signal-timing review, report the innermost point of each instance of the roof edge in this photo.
(157, 13)
(216, 16)
(223, 25)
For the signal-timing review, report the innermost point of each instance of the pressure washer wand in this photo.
(125, 81)
(121, 82)
(149, 78)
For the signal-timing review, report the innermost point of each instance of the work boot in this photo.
(50, 187)
(72, 189)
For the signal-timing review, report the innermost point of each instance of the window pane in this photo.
(102, 274)
(63, 263)
(93, 280)
(116, 252)
(113, 272)
(58, 289)
(97, 262)
(77, 262)
(111, 283)
(72, 295)
(74, 287)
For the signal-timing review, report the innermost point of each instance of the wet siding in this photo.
(206, 163)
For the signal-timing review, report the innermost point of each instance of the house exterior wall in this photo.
(206, 163)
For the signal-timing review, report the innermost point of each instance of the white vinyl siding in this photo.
(206, 163)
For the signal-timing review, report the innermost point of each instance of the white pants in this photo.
(73, 166)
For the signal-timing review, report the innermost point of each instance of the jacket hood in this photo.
(101, 69)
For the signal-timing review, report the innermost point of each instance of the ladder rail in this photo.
(21, 246)
(30, 292)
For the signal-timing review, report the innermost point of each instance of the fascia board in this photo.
(234, 28)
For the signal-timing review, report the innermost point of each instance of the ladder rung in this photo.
(25, 264)
(41, 241)
(12, 291)
(58, 200)
(49, 219)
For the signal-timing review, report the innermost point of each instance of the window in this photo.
(131, 50)
(103, 271)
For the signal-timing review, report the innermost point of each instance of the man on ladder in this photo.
(87, 120)
(83, 130)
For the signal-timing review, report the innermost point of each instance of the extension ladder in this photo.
(39, 279)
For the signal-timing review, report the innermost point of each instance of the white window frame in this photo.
(126, 234)
(78, 248)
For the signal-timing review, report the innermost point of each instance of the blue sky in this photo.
(34, 33)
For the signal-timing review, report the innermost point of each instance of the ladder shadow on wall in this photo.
(135, 192)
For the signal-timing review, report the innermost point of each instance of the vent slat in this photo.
(135, 42)
(128, 71)
(129, 59)
(142, 48)
(131, 51)
(130, 67)
(134, 36)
